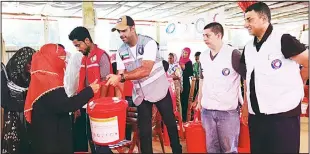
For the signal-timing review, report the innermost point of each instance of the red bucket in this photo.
(107, 117)
(195, 136)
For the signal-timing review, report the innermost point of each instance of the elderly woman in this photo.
(15, 78)
(175, 72)
(47, 105)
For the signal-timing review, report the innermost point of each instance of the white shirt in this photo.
(71, 78)
(149, 54)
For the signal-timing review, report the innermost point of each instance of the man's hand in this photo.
(198, 106)
(113, 79)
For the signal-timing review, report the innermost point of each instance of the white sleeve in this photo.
(150, 51)
(72, 72)
(119, 63)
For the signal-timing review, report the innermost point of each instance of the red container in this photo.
(195, 136)
(107, 120)
(244, 138)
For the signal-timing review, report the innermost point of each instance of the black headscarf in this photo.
(19, 65)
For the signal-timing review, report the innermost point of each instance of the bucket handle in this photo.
(103, 83)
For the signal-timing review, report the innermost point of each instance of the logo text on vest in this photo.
(226, 71)
(276, 64)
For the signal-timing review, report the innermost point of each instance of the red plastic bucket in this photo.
(107, 120)
(195, 135)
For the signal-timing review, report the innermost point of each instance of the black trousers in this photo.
(79, 133)
(165, 109)
(129, 127)
(274, 134)
(184, 99)
(196, 90)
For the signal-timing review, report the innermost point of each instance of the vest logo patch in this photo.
(226, 71)
(125, 56)
(276, 64)
(93, 59)
(140, 50)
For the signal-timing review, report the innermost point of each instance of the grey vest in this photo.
(152, 88)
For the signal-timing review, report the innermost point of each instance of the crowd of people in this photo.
(44, 94)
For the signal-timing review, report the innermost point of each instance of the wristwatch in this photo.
(122, 78)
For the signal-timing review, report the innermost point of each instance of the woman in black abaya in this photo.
(15, 79)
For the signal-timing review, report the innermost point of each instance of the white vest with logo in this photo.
(152, 88)
(278, 83)
(221, 82)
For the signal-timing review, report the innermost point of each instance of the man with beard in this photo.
(138, 60)
(95, 66)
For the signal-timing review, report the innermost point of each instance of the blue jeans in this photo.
(222, 130)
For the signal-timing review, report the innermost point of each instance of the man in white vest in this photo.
(219, 92)
(274, 84)
(138, 60)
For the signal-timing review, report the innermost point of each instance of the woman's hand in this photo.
(95, 86)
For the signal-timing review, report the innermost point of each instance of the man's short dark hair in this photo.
(261, 8)
(215, 28)
(80, 33)
(197, 53)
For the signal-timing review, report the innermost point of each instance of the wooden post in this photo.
(4, 56)
(89, 17)
(46, 27)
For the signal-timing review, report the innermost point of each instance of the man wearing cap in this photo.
(138, 60)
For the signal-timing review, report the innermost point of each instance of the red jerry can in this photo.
(195, 135)
(244, 139)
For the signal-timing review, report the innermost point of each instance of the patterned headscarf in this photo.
(18, 67)
(47, 74)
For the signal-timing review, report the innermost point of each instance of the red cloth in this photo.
(47, 73)
(128, 86)
(245, 4)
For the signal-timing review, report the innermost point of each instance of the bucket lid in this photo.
(108, 104)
